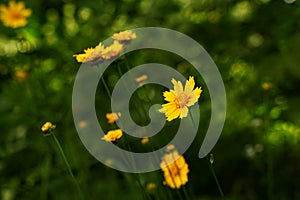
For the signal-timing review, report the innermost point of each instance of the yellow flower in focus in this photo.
(112, 51)
(175, 169)
(112, 135)
(90, 54)
(14, 15)
(180, 99)
(124, 36)
(113, 117)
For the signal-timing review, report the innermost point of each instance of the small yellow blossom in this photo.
(150, 186)
(141, 78)
(180, 99)
(124, 36)
(47, 127)
(90, 54)
(112, 135)
(14, 15)
(266, 86)
(145, 140)
(113, 117)
(112, 51)
(170, 147)
(20, 75)
(175, 169)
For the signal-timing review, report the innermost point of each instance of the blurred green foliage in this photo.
(254, 44)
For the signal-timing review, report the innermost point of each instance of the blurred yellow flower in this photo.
(112, 51)
(112, 135)
(145, 140)
(47, 127)
(175, 169)
(20, 75)
(266, 86)
(124, 36)
(14, 15)
(142, 78)
(113, 117)
(150, 186)
(179, 99)
(90, 54)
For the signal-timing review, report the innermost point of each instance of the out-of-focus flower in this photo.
(20, 75)
(266, 86)
(113, 117)
(124, 36)
(47, 128)
(142, 78)
(90, 54)
(145, 140)
(150, 186)
(175, 169)
(112, 135)
(179, 99)
(112, 51)
(15, 14)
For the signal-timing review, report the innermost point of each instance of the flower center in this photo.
(182, 100)
(15, 15)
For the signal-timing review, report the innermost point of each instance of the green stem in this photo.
(67, 164)
(106, 87)
(215, 177)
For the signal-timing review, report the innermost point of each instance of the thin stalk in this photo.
(216, 179)
(106, 87)
(61, 151)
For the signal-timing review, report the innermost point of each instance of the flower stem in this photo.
(67, 164)
(215, 177)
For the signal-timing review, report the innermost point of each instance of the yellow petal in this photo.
(169, 96)
(177, 86)
(191, 81)
(184, 112)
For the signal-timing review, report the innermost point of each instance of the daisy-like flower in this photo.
(14, 15)
(112, 135)
(124, 36)
(112, 117)
(175, 169)
(180, 99)
(112, 51)
(90, 54)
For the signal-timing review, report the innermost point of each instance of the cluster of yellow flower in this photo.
(100, 52)
(14, 15)
(116, 134)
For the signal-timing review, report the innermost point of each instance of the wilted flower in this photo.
(179, 99)
(14, 15)
(112, 135)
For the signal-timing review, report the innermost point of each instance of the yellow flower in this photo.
(112, 135)
(175, 169)
(124, 36)
(141, 79)
(47, 127)
(150, 186)
(179, 99)
(113, 117)
(20, 75)
(90, 54)
(266, 86)
(145, 140)
(14, 15)
(112, 51)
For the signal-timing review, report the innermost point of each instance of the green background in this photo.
(251, 42)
